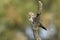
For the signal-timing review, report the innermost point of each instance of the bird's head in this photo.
(31, 16)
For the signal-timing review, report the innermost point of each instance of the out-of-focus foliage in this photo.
(14, 16)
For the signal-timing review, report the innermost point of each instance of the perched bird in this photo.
(34, 18)
(51, 32)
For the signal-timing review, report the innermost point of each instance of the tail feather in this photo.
(42, 26)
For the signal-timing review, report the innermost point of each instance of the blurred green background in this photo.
(14, 17)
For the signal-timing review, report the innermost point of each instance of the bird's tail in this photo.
(40, 25)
